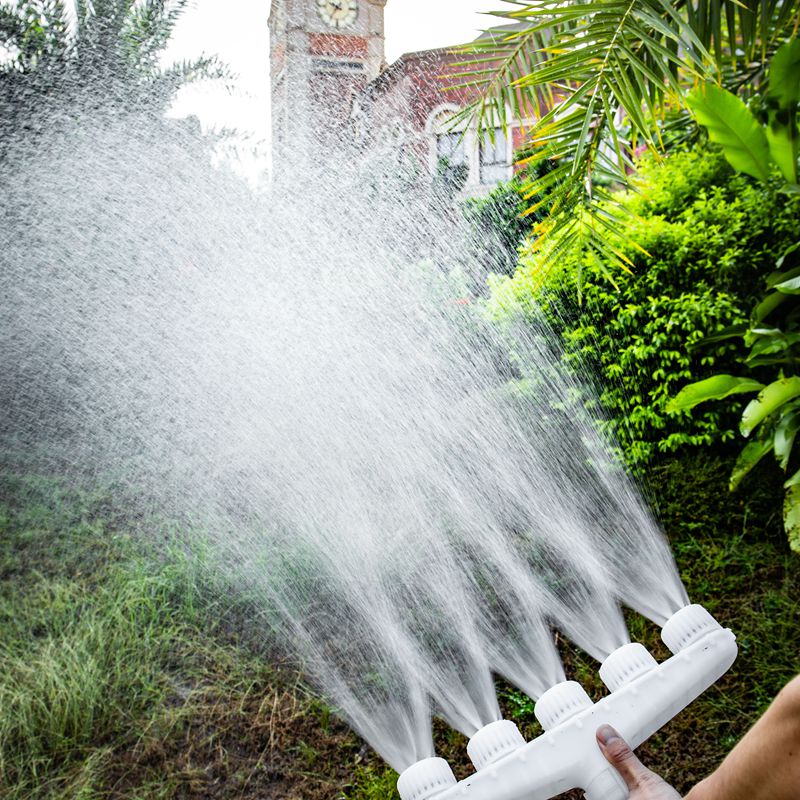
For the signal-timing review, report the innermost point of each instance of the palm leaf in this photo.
(600, 61)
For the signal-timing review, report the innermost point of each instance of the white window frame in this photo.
(503, 170)
(437, 124)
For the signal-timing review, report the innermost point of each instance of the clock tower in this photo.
(322, 53)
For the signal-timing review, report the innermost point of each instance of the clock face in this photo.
(338, 13)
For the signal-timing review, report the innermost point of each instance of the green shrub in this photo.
(770, 342)
(497, 227)
(706, 237)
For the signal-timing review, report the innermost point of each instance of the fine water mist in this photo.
(297, 378)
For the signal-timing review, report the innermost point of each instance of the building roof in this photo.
(453, 53)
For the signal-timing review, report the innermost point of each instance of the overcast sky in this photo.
(236, 30)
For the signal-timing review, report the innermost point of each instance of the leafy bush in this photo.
(497, 226)
(702, 241)
(757, 147)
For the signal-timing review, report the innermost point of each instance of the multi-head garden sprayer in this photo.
(644, 695)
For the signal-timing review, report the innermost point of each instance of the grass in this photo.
(117, 681)
(121, 676)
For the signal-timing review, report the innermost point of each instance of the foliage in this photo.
(748, 145)
(498, 226)
(109, 57)
(773, 335)
(110, 40)
(590, 64)
(731, 125)
(703, 236)
(449, 178)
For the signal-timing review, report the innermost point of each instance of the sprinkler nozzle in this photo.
(560, 703)
(426, 779)
(625, 665)
(493, 742)
(686, 626)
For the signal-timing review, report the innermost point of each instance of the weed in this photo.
(373, 782)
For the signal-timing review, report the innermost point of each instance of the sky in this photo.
(236, 31)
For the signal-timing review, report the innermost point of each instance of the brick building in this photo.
(331, 86)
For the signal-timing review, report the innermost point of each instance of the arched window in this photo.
(460, 155)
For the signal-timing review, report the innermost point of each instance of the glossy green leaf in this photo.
(784, 436)
(791, 516)
(714, 388)
(793, 481)
(780, 275)
(769, 304)
(791, 286)
(784, 75)
(775, 344)
(783, 138)
(731, 125)
(769, 400)
(730, 332)
(782, 359)
(752, 453)
(787, 253)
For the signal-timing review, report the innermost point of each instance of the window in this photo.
(451, 160)
(494, 157)
(450, 146)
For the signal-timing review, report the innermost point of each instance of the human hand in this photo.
(642, 782)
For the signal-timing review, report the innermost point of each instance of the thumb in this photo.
(621, 757)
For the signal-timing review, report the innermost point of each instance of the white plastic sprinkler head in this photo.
(686, 626)
(560, 703)
(426, 779)
(493, 742)
(644, 696)
(626, 664)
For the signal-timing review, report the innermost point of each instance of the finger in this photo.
(621, 757)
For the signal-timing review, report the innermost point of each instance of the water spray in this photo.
(644, 696)
(390, 476)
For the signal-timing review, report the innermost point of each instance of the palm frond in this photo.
(583, 69)
(149, 27)
(34, 33)
(183, 72)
